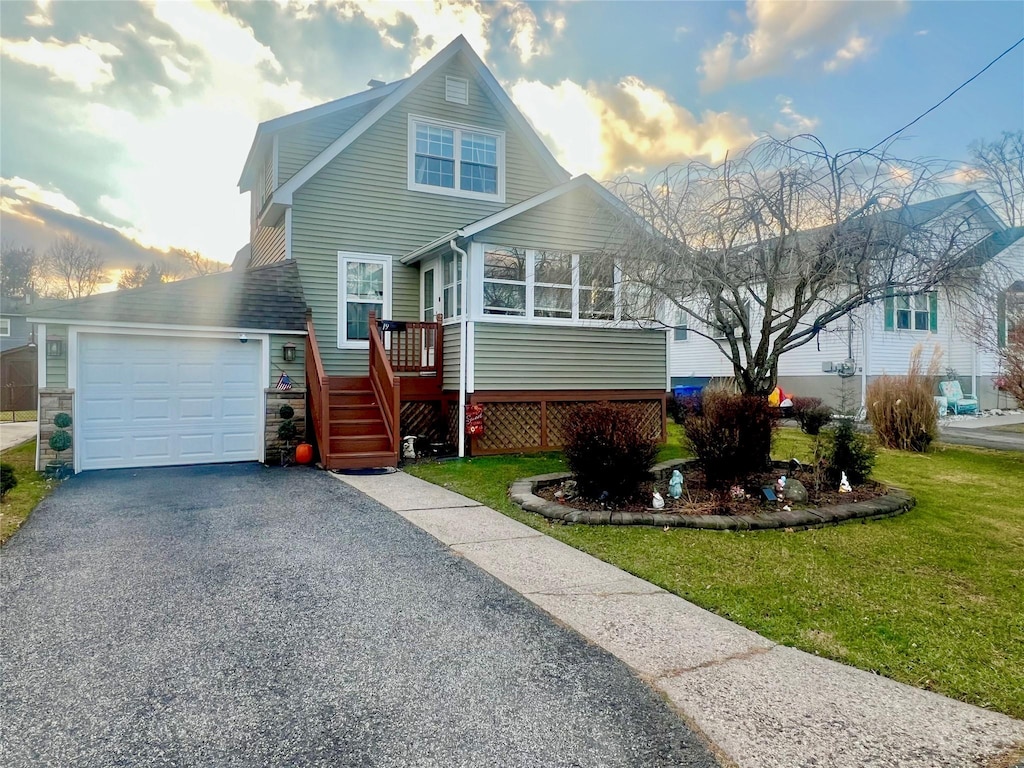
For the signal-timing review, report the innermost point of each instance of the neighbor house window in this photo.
(451, 274)
(457, 160)
(682, 328)
(364, 283)
(505, 282)
(911, 312)
(5, 326)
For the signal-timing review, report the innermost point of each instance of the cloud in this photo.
(629, 126)
(41, 18)
(86, 63)
(435, 24)
(792, 122)
(784, 33)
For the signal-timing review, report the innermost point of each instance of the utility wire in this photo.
(950, 95)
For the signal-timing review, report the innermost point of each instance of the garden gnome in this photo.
(844, 484)
(658, 502)
(781, 484)
(675, 484)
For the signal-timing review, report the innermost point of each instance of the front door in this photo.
(430, 306)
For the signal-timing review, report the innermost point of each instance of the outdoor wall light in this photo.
(289, 352)
(243, 338)
(54, 346)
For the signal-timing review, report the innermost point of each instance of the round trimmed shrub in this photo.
(287, 431)
(62, 421)
(608, 451)
(286, 411)
(60, 440)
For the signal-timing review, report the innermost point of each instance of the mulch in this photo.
(697, 499)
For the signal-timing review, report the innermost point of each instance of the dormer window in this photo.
(450, 159)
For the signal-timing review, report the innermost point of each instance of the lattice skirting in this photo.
(423, 418)
(523, 423)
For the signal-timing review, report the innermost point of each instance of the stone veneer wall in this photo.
(52, 401)
(275, 398)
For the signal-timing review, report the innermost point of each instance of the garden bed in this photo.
(700, 508)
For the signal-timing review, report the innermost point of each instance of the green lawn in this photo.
(934, 598)
(29, 491)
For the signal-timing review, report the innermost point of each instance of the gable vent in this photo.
(456, 90)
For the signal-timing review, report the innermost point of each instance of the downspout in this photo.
(866, 355)
(463, 343)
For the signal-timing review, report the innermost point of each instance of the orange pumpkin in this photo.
(303, 453)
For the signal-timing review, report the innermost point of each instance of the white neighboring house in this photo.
(878, 339)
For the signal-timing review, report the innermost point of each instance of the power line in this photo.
(948, 96)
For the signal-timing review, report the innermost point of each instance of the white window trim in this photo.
(477, 314)
(5, 326)
(457, 290)
(912, 299)
(499, 197)
(346, 256)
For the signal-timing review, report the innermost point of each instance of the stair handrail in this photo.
(319, 391)
(386, 386)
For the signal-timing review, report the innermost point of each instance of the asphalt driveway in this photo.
(248, 616)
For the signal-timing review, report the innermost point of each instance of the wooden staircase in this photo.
(356, 418)
(357, 436)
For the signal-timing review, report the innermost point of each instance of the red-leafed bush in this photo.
(811, 414)
(608, 451)
(731, 434)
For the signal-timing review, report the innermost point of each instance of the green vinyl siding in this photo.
(56, 367)
(451, 344)
(298, 145)
(297, 370)
(360, 202)
(576, 221)
(541, 357)
(267, 245)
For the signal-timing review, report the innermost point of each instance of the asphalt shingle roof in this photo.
(267, 298)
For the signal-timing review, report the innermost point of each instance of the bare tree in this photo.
(998, 166)
(73, 268)
(19, 270)
(198, 265)
(760, 253)
(141, 275)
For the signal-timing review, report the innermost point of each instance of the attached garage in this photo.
(145, 401)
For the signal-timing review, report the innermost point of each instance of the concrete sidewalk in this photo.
(761, 704)
(982, 431)
(16, 433)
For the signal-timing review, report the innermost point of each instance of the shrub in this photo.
(608, 451)
(811, 414)
(902, 409)
(1013, 363)
(848, 452)
(731, 435)
(287, 431)
(60, 440)
(678, 407)
(7, 479)
(286, 411)
(62, 421)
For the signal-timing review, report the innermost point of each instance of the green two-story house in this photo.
(451, 273)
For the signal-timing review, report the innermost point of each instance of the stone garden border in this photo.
(896, 502)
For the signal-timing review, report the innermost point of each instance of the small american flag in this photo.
(284, 382)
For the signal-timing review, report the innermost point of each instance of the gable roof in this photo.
(583, 181)
(266, 130)
(993, 245)
(266, 298)
(459, 46)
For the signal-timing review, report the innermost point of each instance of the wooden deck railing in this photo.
(386, 386)
(318, 390)
(416, 347)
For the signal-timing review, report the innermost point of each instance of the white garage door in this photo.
(145, 401)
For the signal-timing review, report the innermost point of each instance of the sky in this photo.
(127, 123)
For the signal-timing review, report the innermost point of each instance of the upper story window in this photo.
(458, 160)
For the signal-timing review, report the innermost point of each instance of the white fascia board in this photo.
(423, 250)
(405, 87)
(283, 195)
(278, 124)
(163, 327)
(526, 205)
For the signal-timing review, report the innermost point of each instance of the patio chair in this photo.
(954, 395)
